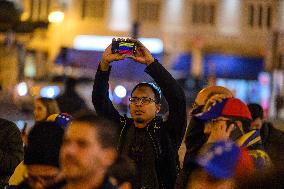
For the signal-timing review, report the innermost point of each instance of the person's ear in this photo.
(158, 108)
(108, 157)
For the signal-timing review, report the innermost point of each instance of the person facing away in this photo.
(219, 164)
(42, 156)
(151, 143)
(87, 152)
(70, 101)
(11, 150)
(61, 120)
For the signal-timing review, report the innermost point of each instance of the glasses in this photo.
(143, 100)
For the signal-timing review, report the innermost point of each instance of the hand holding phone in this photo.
(123, 47)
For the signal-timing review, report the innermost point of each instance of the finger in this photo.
(231, 128)
(223, 127)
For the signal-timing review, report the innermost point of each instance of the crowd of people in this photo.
(229, 144)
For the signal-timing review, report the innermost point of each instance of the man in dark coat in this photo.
(150, 142)
(11, 150)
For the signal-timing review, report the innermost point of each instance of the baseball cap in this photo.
(224, 159)
(229, 107)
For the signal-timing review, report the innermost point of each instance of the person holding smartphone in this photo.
(151, 142)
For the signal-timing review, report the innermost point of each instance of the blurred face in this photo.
(81, 154)
(256, 124)
(143, 107)
(201, 180)
(40, 111)
(40, 176)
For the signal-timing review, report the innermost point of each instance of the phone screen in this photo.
(123, 47)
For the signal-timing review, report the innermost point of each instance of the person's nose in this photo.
(70, 148)
(139, 102)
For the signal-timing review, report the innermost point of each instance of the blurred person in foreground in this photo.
(231, 119)
(195, 137)
(122, 173)
(274, 179)
(11, 150)
(272, 138)
(219, 164)
(42, 156)
(62, 120)
(150, 142)
(88, 150)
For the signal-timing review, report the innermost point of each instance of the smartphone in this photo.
(123, 47)
(236, 132)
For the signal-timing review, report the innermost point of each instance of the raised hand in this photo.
(142, 54)
(220, 131)
(109, 57)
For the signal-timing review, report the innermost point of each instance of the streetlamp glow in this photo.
(56, 17)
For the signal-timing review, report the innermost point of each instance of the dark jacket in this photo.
(273, 142)
(11, 150)
(166, 136)
(194, 140)
(24, 185)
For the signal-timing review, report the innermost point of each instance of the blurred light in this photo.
(154, 45)
(22, 89)
(175, 7)
(20, 124)
(110, 95)
(50, 91)
(25, 16)
(120, 91)
(100, 43)
(230, 22)
(56, 17)
(120, 15)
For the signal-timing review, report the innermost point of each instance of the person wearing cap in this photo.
(62, 120)
(42, 156)
(272, 138)
(219, 164)
(230, 119)
(150, 142)
(195, 137)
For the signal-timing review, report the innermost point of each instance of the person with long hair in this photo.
(44, 107)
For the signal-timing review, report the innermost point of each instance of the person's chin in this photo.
(139, 120)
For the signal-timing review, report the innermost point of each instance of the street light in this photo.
(56, 17)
